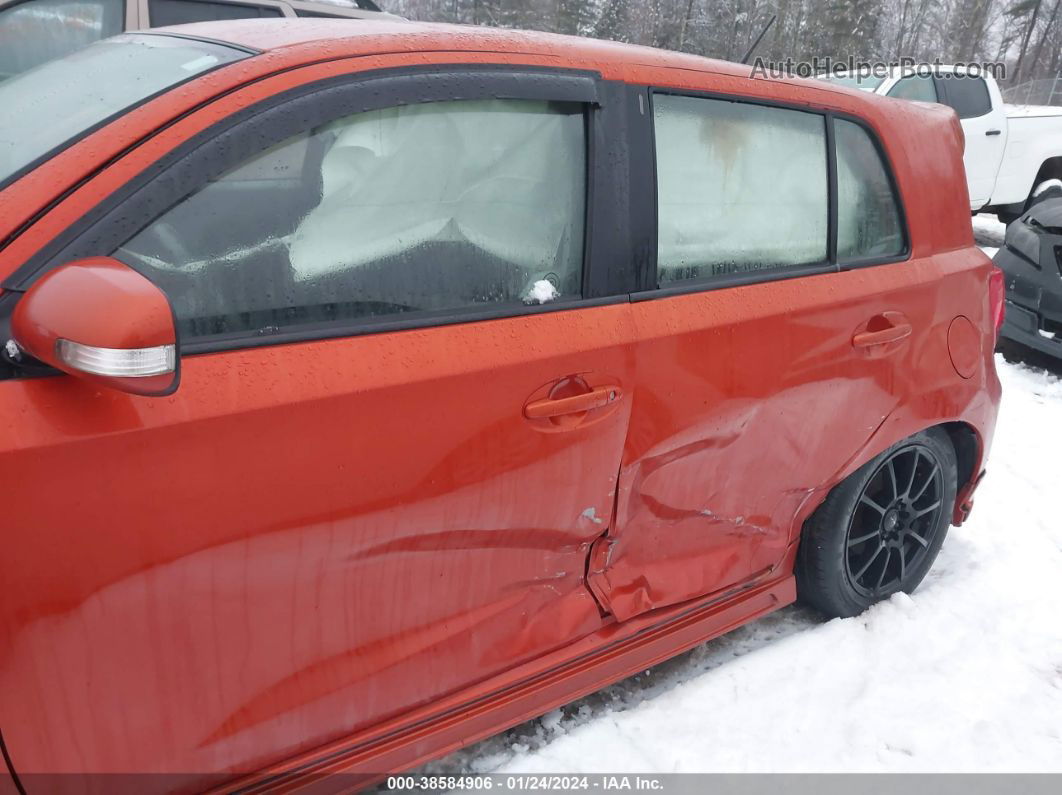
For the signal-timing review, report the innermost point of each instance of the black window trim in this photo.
(649, 288)
(605, 279)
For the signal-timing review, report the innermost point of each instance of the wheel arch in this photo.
(968, 452)
(965, 440)
(1051, 168)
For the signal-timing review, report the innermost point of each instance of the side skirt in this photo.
(609, 655)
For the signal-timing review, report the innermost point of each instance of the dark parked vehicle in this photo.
(1031, 259)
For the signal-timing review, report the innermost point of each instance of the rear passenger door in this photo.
(401, 413)
(758, 371)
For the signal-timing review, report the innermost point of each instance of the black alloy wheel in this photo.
(879, 530)
(894, 523)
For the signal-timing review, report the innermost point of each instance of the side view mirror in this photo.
(100, 320)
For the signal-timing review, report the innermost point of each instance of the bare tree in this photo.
(1027, 33)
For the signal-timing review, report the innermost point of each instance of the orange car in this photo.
(421, 379)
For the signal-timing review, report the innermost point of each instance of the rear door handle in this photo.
(555, 407)
(883, 329)
(994, 132)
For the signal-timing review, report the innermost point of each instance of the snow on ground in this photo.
(964, 675)
(988, 233)
(1050, 184)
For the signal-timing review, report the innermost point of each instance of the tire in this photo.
(872, 537)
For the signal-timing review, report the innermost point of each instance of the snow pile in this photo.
(541, 292)
(1047, 185)
(965, 675)
(988, 233)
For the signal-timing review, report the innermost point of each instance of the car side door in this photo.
(380, 477)
(984, 125)
(761, 367)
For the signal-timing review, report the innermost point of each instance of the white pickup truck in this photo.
(1013, 153)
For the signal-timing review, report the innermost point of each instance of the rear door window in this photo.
(868, 214)
(968, 95)
(741, 187)
(180, 12)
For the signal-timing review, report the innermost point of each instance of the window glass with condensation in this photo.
(740, 187)
(868, 215)
(34, 32)
(389, 214)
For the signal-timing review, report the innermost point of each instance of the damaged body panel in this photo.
(440, 541)
(721, 457)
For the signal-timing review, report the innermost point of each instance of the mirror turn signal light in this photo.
(117, 362)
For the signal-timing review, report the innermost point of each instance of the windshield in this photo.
(864, 82)
(57, 102)
(38, 31)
